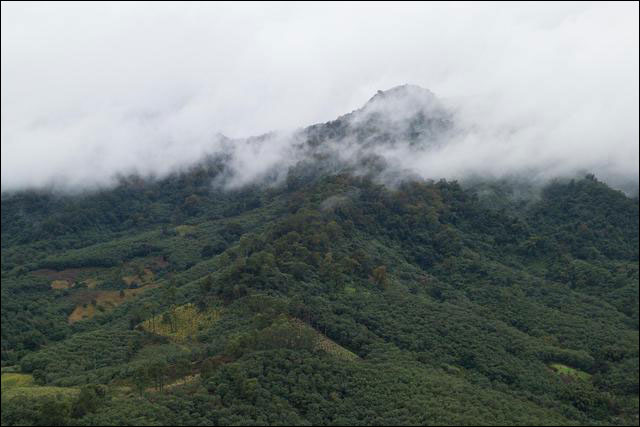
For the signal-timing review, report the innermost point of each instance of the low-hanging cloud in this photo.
(90, 91)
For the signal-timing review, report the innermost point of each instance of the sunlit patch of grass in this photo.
(182, 322)
(189, 379)
(60, 284)
(39, 391)
(331, 347)
(22, 386)
(10, 380)
(185, 230)
(570, 372)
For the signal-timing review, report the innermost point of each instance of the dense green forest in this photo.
(328, 299)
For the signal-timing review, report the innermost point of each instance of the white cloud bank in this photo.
(92, 90)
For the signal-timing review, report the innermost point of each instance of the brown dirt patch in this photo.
(70, 274)
(60, 284)
(104, 301)
(91, 283)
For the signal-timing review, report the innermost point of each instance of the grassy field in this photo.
(22, 386)
(11, 380)
(570, 372)
(182, 323)
(185, 230)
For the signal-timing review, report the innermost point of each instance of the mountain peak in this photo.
(405, 102)
(402, 114)
(405, 91)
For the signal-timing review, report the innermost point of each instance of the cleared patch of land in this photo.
(82, 312)
(91, 283)
(22, 386)
(61, 284)
(180, 382)
(71, 275)
(91, 301)
(10, 380)
(570, 372)
(327, 345)
(183, 322)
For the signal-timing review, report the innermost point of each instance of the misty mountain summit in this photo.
(404, 101)
(406, 114)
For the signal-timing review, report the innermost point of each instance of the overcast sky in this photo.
(90, 90)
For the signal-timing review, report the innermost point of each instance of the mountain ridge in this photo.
(321, 297)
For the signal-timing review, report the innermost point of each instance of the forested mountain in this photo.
(341, 290)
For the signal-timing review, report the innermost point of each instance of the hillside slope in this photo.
(327, 299)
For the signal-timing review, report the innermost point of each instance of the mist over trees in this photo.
(540, 90)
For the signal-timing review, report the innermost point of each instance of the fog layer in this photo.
(90, 91)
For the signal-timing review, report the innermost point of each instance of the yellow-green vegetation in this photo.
(331, 347)
(22, 386)
(60, 284)
(104, 300)
(68, 278)
(91, 283)
(182, 322)
(570, 372)
(185, 230)
(189, 379)
(324, 343)
(10, 380)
